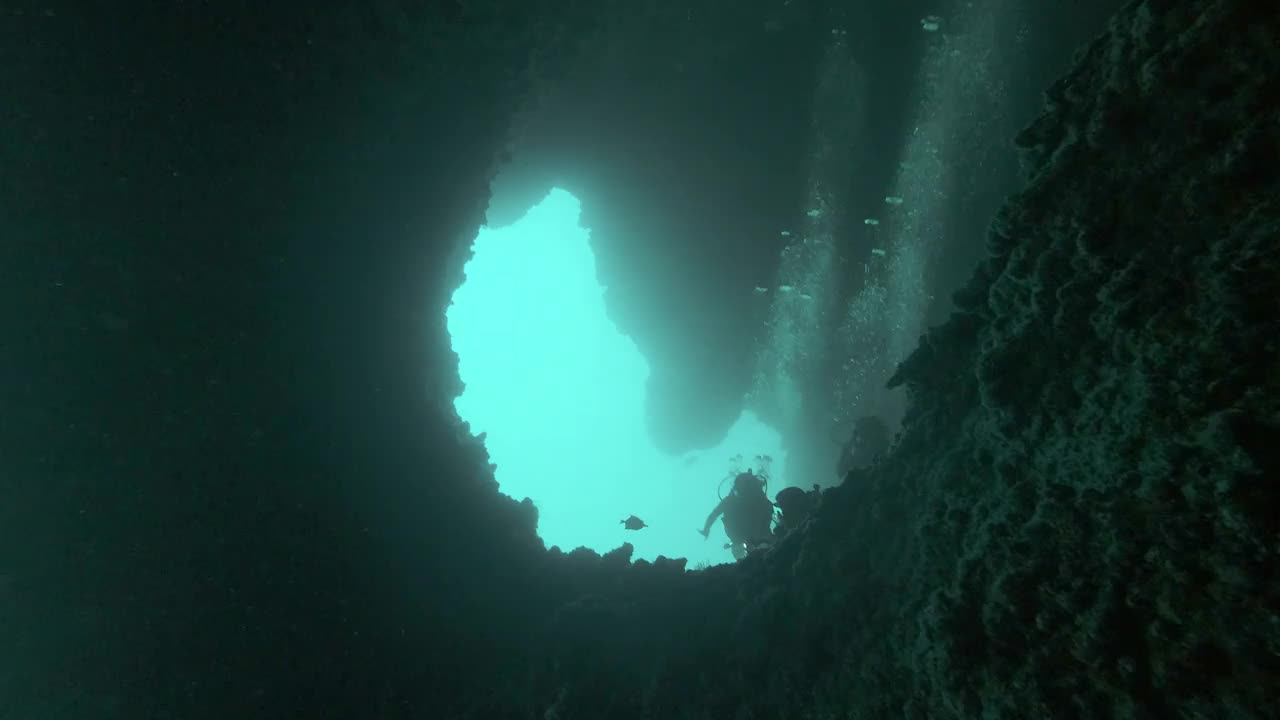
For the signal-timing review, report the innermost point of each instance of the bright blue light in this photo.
(560, 393)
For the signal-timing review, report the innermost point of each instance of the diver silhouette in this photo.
(747, 513)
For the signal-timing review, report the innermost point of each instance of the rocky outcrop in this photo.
(1078, 519)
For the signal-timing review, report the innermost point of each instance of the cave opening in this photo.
(558, 394)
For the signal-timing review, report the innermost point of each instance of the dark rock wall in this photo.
(1078, 520)
(231, 485)
(1108, 540)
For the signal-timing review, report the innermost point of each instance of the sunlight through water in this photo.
(559, 393)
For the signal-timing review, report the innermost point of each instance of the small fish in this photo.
(633, 523)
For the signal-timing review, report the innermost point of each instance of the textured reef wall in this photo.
(1080, 518)
(228, 494)
(1110, 536)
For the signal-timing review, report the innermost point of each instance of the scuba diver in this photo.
(747, 513)
(796, 506)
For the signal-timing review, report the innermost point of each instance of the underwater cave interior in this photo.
(384, 360)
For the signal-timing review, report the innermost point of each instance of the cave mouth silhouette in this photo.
(558, 393)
